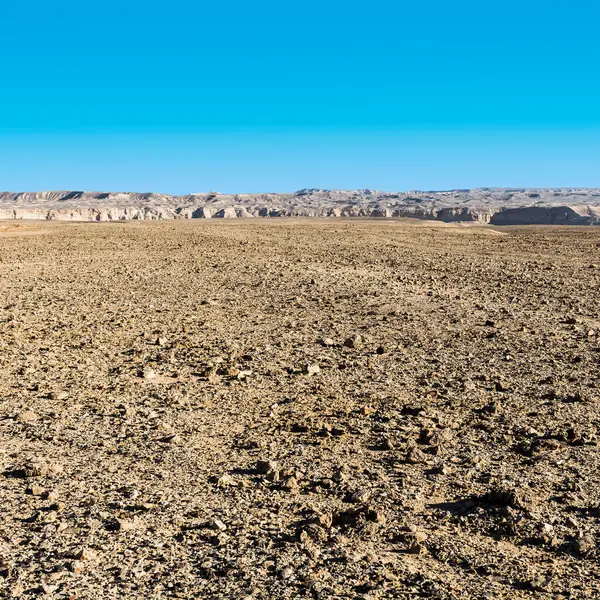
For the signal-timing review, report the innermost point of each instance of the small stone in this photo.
(442, 469)
(291, 485)
(547, 528)
(360, 496)
(415, 539)
(287, 573)
(76, 566)
(50, 517)
(327, 342)
(86, 554)
(387, 444)
(264, 467)
(122, 525)
(42, 469)
(217, 525)
(171, 439)
(354, 341)
(420, 536)
(340, 474)
(149, 373)
(59, 395)
(571, 522)
(49, 588)
(26, 416)
(161, 341)
(312, 369)
(415, 456)
(269, 468)
(501, 386)
(213, 377)
(584, 545)
(225, 480)
(36, 490)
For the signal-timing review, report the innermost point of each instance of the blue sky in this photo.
(271, 96)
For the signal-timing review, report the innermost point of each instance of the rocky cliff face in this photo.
(564, 206)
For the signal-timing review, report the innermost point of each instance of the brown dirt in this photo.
(299, 410)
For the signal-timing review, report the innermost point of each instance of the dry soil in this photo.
(359, 410)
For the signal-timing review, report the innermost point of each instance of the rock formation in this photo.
(496, 206)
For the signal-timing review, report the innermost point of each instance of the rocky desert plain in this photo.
(292, 408)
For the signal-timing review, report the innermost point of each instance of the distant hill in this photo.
(495, 206)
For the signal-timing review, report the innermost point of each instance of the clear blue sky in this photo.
(272, 96)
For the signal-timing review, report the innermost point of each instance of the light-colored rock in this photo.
(496, 206)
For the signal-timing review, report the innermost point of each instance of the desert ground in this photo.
(299, 409)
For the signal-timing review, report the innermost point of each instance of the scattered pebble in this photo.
(354, 341)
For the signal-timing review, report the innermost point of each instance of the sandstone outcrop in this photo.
(496, 206)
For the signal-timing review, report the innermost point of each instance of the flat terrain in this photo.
(285, 409)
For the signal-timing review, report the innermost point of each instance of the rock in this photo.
(360, 496)
(36, 490)
(357, 517)
(415, 540)
(496, 206)
(39, 469)
(269, 468)
(327, 342)
(59, 395)
(213, 378)
(386, 443)
(546, 534)
(122, 525)
(312, 369)
(149, 373)
(415, 456)
(217, 525)
(442, 469)
(26, 416)
(584, 545)
(264, 467)
(354, 341)
(571, 522)
(507, 496)
(225, 480)
(174, 438)
(49, 588)
(76, 566)
(85, 554)
(49, 517)
(291, 485)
